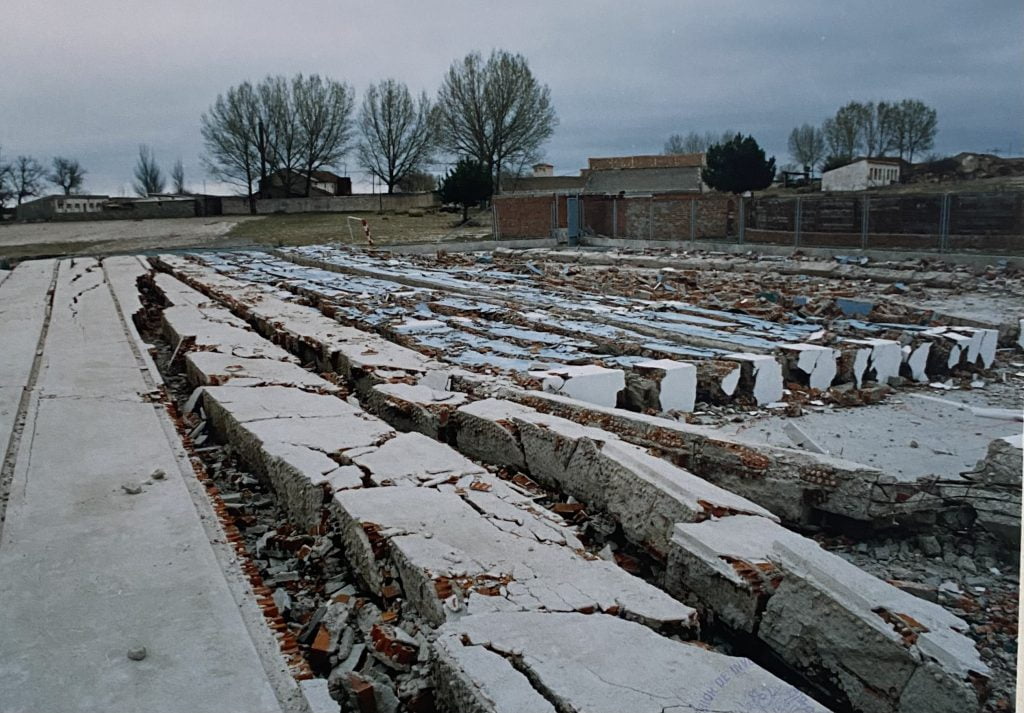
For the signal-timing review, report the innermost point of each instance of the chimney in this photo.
(543, 170)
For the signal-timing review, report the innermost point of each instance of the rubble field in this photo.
(320, 479)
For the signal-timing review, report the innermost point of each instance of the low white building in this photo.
(59, 206)
(862, 174)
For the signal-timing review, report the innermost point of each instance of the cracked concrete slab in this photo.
(565, 660)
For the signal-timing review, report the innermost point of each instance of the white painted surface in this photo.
(818, 362)
(678, 386)
(767, 373)
(591, 383)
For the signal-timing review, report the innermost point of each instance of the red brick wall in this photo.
(524, 216)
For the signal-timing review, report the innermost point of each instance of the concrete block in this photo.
(878, 358)
(415, 407)
(676, 381)
(815, 364)
(915, 356)
(762, 374)
(591, 383)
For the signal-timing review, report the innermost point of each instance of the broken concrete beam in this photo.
(591, 383)
(415, 407)
(810, 364)
(875, 360)
(453, 562)
(675, 383)
(993, 489)
(645, 494)
(525, 661)
(796, 485)
(761, 377)
(981, 349)
(808, 605)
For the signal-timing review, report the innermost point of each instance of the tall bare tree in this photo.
(232, 152)
(807, 146)
(26, 177)
(494, 111)
(696, 143)
(843, 135)
(877, 125)
(148, 176)
(66, 173)
(178, 177)
(323, 108)
(915, 127)
(397, 132)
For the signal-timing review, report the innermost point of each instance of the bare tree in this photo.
(178, 177)
(807, 146)
(323, 108)
(843, 134)
(696, 143)
(148, 176)
(26, 176)
(66, 173)
(877, 127)
(397, 132)
(495, 111)
(915, 127)
(6, 184)
(232, 153)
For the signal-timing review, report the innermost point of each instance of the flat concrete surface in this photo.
(88, 571)
(921, 432)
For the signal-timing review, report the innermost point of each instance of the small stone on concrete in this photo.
(131, 488)
(137, 653)
(158, 474)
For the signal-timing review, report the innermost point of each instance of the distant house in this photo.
(861, 174)
(60, 206)
(291, 184)
(543, 180)
(627, 175)
(633, 175)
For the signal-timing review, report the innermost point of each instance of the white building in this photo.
(862, 174)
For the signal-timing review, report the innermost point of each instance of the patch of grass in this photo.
(310, 228)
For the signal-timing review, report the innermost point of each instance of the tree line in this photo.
(872, 129)
(25, 177)
(490, 111)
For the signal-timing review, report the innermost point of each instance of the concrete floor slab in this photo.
(88, 571)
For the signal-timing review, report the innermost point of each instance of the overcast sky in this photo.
(95, 79)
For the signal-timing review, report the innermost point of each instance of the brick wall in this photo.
(364, 203)
(993, 222)
(688, 160)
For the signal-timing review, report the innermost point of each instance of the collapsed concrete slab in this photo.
(993, 489)
(796, 485)
(541, 662)
(452, 562)
(855, 636)
(362, 357)
(645, 494)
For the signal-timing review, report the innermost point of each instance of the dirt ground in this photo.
(31, 240)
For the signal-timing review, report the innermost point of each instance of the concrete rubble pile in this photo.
(473, 555)
(479, 582)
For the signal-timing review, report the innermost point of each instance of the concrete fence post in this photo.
(797, 217)
(865, 218)
(944, 207)
(650, 218)
(742, 220)
(494, 221)
(615, 217)
(693, 222)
